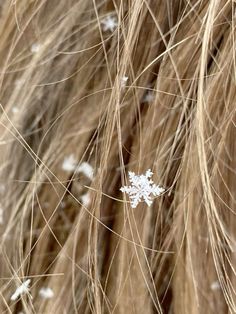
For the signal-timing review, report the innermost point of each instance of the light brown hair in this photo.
(154, 90)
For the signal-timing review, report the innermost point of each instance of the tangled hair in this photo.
(91, 90)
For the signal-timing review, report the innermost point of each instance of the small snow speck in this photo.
(109, 23)
(86, 169)
(23, 288)
(69, 163)
(35, 47)
(86, 199)
(148, 97)
(123, 81)
(15, 110)
(46, 293)
(215, 285)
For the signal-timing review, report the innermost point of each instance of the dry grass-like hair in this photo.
(116, 86)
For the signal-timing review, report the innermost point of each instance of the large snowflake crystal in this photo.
(141, 188)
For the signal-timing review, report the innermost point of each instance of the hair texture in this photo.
(93, 89)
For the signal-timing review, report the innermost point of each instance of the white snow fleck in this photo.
(86, 169)
(148, 97)
(46, 293)
(86, 199)
(15, 110)
(215, 285)
(123, 81)
(69, 163)
(109, 23)
(35, 47)
(23, 288)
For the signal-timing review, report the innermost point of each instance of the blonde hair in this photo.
(117, 86)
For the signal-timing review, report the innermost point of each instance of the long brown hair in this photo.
(91, 90)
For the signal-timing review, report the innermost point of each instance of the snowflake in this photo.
(86, 199)
(23, 288)
(123, 81)
(46, 293)
(35, 47)
(215, 285)
(141, 187)
(86, 169)
(109, 23)
(15, 109)
(69, 163)
(148, 97)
